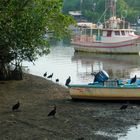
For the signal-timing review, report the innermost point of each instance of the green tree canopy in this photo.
(93, 9)
(23, 26)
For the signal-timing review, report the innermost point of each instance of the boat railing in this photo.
(84, 38)
(111, 83)
(108, 83)
(115, 24)
(117, 83)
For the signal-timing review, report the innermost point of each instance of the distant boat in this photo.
(113, 36)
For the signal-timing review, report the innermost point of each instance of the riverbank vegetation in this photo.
(93, 9)
(25, 30)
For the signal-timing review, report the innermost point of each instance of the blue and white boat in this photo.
(105, 89)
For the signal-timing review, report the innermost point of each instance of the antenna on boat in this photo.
(81, 2)
(123, 16)
(111, 4)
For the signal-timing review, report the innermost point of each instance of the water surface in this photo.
(133, 134)
(64, 62)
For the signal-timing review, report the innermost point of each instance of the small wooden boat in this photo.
(109, 90)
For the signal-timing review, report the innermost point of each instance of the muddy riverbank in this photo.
(74, 119)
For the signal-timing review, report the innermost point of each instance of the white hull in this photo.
(128, 47)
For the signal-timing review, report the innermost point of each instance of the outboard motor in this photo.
(101, 76)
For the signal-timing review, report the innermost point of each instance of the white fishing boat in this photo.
(113, 36)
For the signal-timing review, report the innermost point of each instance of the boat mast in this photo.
(81, 4)
(111, 5)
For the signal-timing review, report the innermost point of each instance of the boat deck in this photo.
(110, 84)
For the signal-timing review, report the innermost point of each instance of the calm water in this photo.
(63, 62)
(133, 134)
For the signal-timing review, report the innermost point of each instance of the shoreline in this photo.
(74, 119)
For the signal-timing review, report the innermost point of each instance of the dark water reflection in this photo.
(117, 66)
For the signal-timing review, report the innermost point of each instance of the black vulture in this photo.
(124, 106)
(133, 80)
(16, 106)
(53, 112)
(68, 81)
(82, 138)
(45, 74)
(50, 76)
(57, 80)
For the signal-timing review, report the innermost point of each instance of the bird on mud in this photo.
(50, 76)
(16, 106)
(124, 106)
(45, 74)
(133, 80)
(68, 81)
(57, 80)
(53, 112)
(82, 138)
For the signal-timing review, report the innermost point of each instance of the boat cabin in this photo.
(117, 35)
(122, 33)
(113, 30)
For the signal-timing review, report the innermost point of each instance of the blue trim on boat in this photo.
(126, 86)
(109, 84)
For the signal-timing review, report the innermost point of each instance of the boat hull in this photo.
(128, 47)
(104, 93)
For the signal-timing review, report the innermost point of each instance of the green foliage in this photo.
(133, 3)
(93, 9)
(71, 5)
(23, 25)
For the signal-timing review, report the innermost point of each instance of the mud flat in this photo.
(74, 120)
